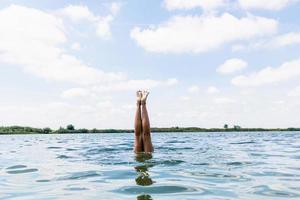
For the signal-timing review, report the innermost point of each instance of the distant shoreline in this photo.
(9, 130)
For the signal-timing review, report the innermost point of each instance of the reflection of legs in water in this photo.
(144, 197)
(148, 148)
(143, 177)
(138, 143)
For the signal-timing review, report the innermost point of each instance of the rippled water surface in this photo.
(184, 166)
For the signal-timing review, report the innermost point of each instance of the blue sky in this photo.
(206, 63)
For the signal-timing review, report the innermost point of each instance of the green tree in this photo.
(236, 127)
(70, 127)
(47, 130)
(225, 126)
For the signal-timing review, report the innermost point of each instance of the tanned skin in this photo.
(142, 132)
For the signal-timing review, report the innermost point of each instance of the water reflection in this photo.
(143, 178)
(144, 197)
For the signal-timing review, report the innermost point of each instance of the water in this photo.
(184, 166)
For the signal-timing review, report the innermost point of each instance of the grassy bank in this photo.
(71, 129)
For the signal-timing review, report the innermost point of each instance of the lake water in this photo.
(184, 166)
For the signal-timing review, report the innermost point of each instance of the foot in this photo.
(138, 97)
(144, 96)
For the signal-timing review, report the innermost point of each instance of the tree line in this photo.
(71, 129)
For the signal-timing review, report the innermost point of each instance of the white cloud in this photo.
(145, 84)
(295, 92)
(223, 100)
(286, 39)
(231, 66)
(185, 98)
(172, 81)
(102, 24)
(193, 89)
(115, 8)
(190, 4)
(212, 90)
(78, 13)
(75, 92)
(238, 47)
(265, 4)
(279, 41)
(278, 102)
(182, 34)
(126, 85)
(76, 46)
(269, 75)
(32, 38)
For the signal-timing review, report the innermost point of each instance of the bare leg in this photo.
(138, 143)
(148, 147)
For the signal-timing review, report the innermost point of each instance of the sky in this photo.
(206, 63)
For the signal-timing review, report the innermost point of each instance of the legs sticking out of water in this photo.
(142, 125)
(138, 143)
(148, 147)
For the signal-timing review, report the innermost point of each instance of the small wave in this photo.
(219, 178)
(163, 189)
(173, 141)
(54, 147)
(76, 188)
(272, 173)
(237, 163)
(71, 149)
(267, 191)
(202, 164)
(99, 150)
(22, 171)
(63, 157)
(165, 162)
(119, 174)
(43, 180)
(17, 167)
(296, 157)
(171, 162)
(247, 142)
(80, 175)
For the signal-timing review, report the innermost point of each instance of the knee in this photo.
(146, 132)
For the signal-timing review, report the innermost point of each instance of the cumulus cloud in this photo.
(193, 89)
(190, 4)
(294, 92)
(182, 34)
(115, 8)
(78, 13)
(212, 90)
(231, 66)
(286, 39)
(126, 85)
(81, 13)
(269, 75)
(208, 5)
(32, 38)
(223, 100)
(279, 41)
(75, 92)
(76, 46)
(265, 4)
